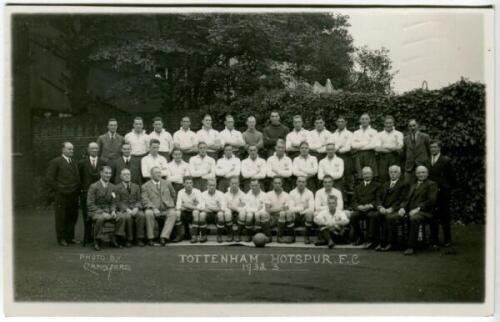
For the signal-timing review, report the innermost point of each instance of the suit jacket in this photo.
(151, 197)
(134, 166)
(126, 200)
(89, 174)
(393, 197)
(366, 194)
(417, 153)
(424, 196)
(62, 177)
(100, 199)
(443, 174)
(110, 149)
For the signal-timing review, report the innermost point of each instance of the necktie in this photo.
(418, 183)
(158, 186)
(93, 163)
(69, 161)
(112, 138)
(127, 161)
(392, 184)
(414, 138)
(128, 187)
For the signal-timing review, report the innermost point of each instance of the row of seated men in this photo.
(157, 207)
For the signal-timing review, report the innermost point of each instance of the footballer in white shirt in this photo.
(215, 211)
(302, 208)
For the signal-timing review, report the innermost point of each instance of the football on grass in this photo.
(260, 240)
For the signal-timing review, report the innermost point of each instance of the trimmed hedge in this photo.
(454, 114)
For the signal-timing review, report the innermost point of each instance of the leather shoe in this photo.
(128, 244)
(368, 245)
(357, 243)
(378, 248)
(150, 243)
(320, 243)
(97, 247)
(331, 244)
(387, 248)
(63, 243)
(409, 251)
(163, 242)
(140, 243)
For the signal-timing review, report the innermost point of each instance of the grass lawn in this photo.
(43, 271)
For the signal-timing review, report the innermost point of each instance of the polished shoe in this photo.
(140, 243)
(368, 245)
(307, 240)
(74, 241)
(203, 239)
(447, 245)
(409, 251)
(219, 238)
(331, 244)
(63, 243)
(229, 239)
(435, 247)
(387, 248)
(97, 247)
(163, 242)
(151, 243)
(194, 239)
(128, 244)
(378, 248)
(320, 243)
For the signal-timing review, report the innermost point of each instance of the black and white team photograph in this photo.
(231, 156)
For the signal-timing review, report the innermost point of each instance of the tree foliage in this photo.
(372, 71)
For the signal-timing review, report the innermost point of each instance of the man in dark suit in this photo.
(419, 205)
(442, 173)
(63, 178)
(126, 161)
(129, 206)
(416, 148)
(158, 197)
(89, 168)
(364, 207)
(101, 203)
(110, 142)
(391, 198)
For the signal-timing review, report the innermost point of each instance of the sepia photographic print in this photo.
(238, 160)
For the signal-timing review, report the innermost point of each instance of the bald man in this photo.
(364, 203)
(89, 168)
(418, 205)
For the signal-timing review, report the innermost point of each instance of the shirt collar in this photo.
(367, 128)
(111, 134)
(436, 157)
(156, 182)
(66, 158)
(125, 183)
(93, 158)
(104, 184)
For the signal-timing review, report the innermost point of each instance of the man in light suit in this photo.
(419, 205)
(441, 172)
(158, 198)
(101, 205)
(89, 168)
(110, 143)
(64, 180)
(416, 149)
(129, 206)
(125, 161)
